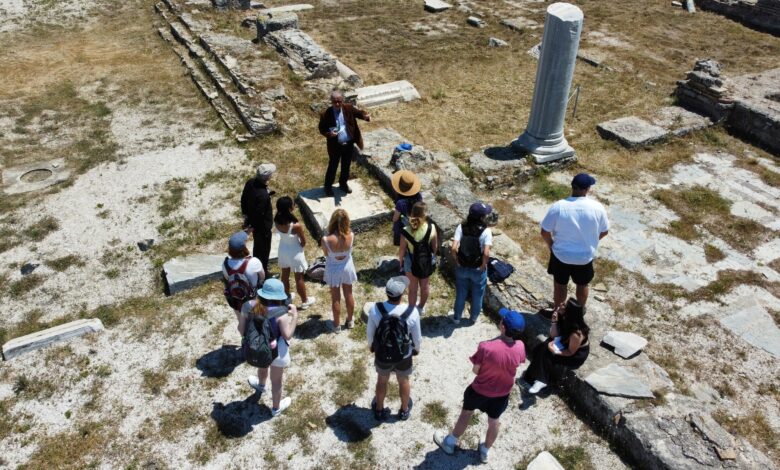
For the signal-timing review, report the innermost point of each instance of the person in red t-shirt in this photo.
(495, 364)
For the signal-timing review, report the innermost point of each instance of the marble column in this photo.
(543, 137)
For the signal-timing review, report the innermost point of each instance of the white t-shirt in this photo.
(412, 323)
(575, 224)
(485, 238)
(252, 269)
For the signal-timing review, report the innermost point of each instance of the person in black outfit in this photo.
(258, 212)
(568, 346)
(338, 124)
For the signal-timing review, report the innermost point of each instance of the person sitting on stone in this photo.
(567, 346)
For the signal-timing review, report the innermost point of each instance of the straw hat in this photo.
(406, 183)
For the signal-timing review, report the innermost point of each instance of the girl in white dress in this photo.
(339, 269)
(291, 255)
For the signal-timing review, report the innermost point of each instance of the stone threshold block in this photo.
(386, 93)
(41, 339)
(186, 272)
(436, 6)
(366, 208)
(617, 381)
(632, 132)
(34, 176)
(286, 9)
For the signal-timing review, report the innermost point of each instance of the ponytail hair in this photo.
(417, 215)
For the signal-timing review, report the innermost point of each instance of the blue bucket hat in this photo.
(404, 147)
(273, 289)
(512, 320)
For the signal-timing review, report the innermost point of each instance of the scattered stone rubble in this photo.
(703, 90)
(498, 167)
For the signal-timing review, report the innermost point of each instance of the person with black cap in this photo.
(258, 212)
(394, 336)
(495, 363)
(572, 229)
(471, 251)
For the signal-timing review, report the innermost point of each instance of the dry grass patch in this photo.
(39, 230)
(62, 263)
(24, 285)
(82, 448)
(713, 254)
(172, 196)
(700, 206)
(435, 414)
(154, 381)
(351, 383)
(754, 427)
(173, 424)
(304, 417)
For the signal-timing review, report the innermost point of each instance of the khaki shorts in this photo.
(402, 368)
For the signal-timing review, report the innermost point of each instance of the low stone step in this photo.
(366, 208)
(286, 9)
(386, 93)
(186, 272)
(43, 338)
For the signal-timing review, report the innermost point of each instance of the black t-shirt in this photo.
(256, 206)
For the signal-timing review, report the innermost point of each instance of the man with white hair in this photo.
(258, 212)
(338, 124)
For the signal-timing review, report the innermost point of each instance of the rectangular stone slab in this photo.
(386, 93)
(186, 272)
(43, 338)
(287, 9)
(754, 325)
(366, 208)
(435, 6)
(617, 381)
(632, 132)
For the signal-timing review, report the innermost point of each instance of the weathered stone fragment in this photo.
(625, 344)
(29, 267)
(632, 132)
(43, 338)
(495, 42)
(680, 121)
(754, 325)
(275, 22)
(34, 176)
(476, 22)
(435, 6)
(615, 380)
(286, 9)
(305, 56)
(544, 461)
(519, 24)
(386, 93)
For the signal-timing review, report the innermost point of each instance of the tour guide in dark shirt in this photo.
(338, 124)
(258, 212)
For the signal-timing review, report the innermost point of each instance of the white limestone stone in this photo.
(186, 272)
(616, 380)
(387, 93)
(626, 344)
(366, 208)
(34, 176)
(753, 324)
(543, 137)
(544, 461)
(287, 8)
(43, 338)
(632, 131)
(435, 6)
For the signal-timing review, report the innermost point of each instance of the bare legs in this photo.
(335, 303)
(422, 285)
(463, 422)
(404, 389)
(559, 294)
(300, 285)
(381, 390)
(582, 294)
(276, 383)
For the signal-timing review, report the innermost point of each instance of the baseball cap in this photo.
(512, 320)
(583, 181)
(480, 209)
(396, 286)
(238, 240)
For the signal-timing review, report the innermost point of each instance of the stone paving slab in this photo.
(754, 325)
(679, 121)
(34, 176)
(185, 272)
(625, 343)
(386, 93)
(519, 24)
(286, 9)
(366, 207)
(436, 6)
(544, 461)
(615, 380)
(632, 132)
(40, 339)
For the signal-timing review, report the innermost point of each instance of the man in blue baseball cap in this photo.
(572, 229)
(495, 363)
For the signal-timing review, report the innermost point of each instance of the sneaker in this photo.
(447, 443)
(421, 310)
(308, 303)
(283, 405)
(345, 187)
(536, 387)
(404, 415)
(380, 415)
(291, 297)
(349, 325)
(483, 453)
(254, 382)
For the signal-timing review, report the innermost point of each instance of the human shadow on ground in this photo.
(437, 459)
(440, 325)
(352, 423)
(375, 277)
(311, 328)
(236, 419)
(220, 362)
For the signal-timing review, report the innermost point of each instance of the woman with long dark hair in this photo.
(568, 346)
(291, 242)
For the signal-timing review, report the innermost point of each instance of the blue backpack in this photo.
(499, 270)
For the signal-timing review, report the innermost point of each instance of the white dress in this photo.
(291, 253)
(339, 268)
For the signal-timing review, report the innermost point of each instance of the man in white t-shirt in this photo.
(572, 229)
(395, 288)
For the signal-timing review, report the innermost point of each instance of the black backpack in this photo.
(316, 272)
(238, 289)
(469, 251)
(499, 270)
(258, 337)
(422, 257)
(392, 339)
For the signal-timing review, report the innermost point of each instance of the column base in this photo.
(542, 150)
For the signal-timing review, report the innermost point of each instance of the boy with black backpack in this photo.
(471, 251)
(394, 336)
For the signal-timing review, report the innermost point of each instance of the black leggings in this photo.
(543, 361)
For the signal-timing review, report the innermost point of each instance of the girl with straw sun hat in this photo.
(407, 185)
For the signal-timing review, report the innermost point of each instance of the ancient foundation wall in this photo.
(764, 15)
